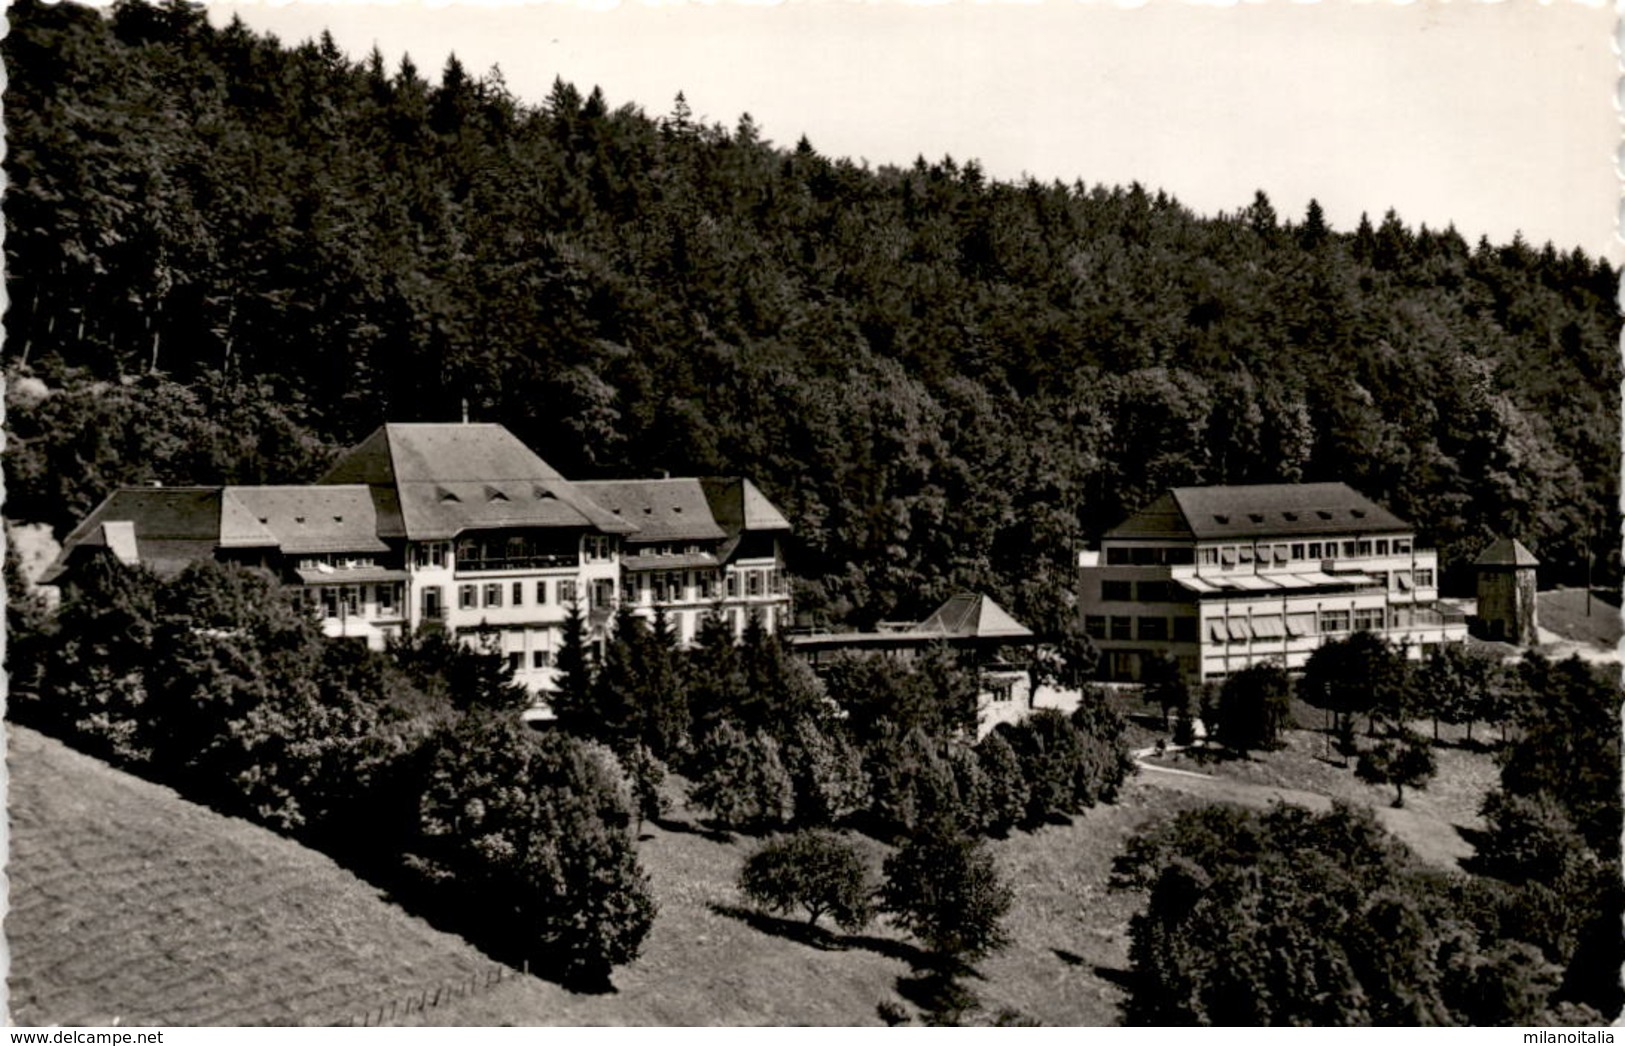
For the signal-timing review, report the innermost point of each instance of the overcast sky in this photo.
(1492, 116)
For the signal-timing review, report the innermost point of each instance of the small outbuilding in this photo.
(1506, 592)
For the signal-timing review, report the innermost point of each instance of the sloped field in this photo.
(130, 904)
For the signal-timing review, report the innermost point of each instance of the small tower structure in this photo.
(1506, 592)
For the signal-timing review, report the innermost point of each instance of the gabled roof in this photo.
(738, 505)
(309, 519)
(663, 510)
(438, 480)
(166, 528)
(1263, 510)
(1506, 552)
(968, 616)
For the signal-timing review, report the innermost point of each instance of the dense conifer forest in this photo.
(229, 256)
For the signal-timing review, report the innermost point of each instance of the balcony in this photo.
(534, 561)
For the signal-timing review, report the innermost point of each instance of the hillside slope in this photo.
(130, 904)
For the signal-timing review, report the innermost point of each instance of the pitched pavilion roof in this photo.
(663, 510)
(1506, 552)
(972, 616)
(1263, 510)
(432, 481)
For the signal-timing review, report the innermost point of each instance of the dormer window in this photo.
(1290, 517)
(1357, 513)
(493, 494)
(1222, 520)
(446, 495)
(1323, 514)
(1255, 517)
(338, 519)
(543, 494)
(299, 519)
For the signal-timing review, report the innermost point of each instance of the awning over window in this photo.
(1267, 627)
(1196, 584)
(1403, 580)
(1216, 629)
(1300, 624)
(1238, 628)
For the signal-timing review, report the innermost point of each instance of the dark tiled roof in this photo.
(1506, 552)
(450, 478)
(1264, 510)
(173, 526)
(738, 505)
(311, 519)
(663, 510)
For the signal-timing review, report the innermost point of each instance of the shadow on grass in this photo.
(715, 835)
(1124, 979)
(821, 938)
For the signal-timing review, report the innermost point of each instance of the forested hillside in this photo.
(228, 256)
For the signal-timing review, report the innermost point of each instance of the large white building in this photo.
(1221, 578)
(463, 527)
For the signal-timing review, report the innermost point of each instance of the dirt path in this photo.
(1436, 841)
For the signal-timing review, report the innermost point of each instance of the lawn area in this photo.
(705, 963)
(131, 905)
(1562, 612)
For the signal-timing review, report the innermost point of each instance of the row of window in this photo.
(341, 601)
(505, 551)
(1170, 592)
(336, 562)
(1266, 627)
(491, 594)
(1118, 626)
(1297, 551)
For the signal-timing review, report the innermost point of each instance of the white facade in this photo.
(1218, 603)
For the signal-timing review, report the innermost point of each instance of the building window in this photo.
(1349, 548)
(708, 584)
(1368, 620)
(493, 595)
(386, 598)
(1001, 692)
(1122, 627)
(603, 592)
(1297, 551)
(541, 659)
(518, 593)
(1154, 628)
(330, 602)
(1116, 591)
(352, 600)
(1364, 548)
(1095, 625)
(1184, 630)
(1402, 546)
(733, 585)
(629, 589)
(1334, 620)
(660, 588)
(429, 554)
(1382, 546)
(1227, 555)
(1280, 553)
(1314, 550)
(541, 593)
(516, 661)
(1245, 553)
(753, 582)
(467, 597)
(1424, 579)
(431, 603)
(567, 592)
(1117, 557)
(1210, 557)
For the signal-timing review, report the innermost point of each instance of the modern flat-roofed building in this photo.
(1220, 578)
